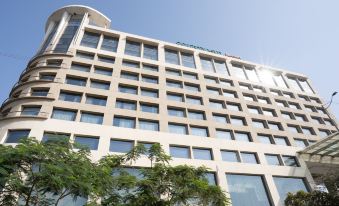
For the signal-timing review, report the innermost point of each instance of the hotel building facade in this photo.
(111, 90)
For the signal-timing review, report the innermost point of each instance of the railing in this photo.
(17, 114)
(35, 78)
(23, 95)
(49, 52)
(41, 65)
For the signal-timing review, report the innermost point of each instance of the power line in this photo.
(14, 56)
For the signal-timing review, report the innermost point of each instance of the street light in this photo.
(327, 113)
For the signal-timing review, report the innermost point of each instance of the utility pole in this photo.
(328, 114)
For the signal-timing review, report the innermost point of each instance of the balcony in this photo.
(37, 79)
(24, 114)
(49, 53)
(42, 65)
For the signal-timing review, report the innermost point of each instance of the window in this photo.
(290, 161)
(211, 80)
(177, 112)
(193, 100)
(110, 43)
(286, 115)
(121, 146)
(220, 67)
(84, 55)
(123, 104)
(173, 72)
(128, 89)
(240, 136)
(251, 74)
(248, 157)
(274, 125)
(149, 125)
(190, 75)
(87, 142)
(279, 80)
(131, 64)
(293, 105)
(213, 91)
(105, 59)
(285, 185)
(268, 112)
(133, 48)
(238, 71)
(91, 118)
(151, 108)
(196, 115)
(223, 134)
(307, 131)
(272, 159)
(300, 117)
(202, 154)
(151, 68)
(266, 77)
(207, 64)
(220, 118)
(254, 110)
(149, 93)
(237, 121)
(175, 97)
(150, 79)
(90, 39)
(128, 75)
(47, 77)
(62, 114)
(263, 100)
(293, 128)
(192, 87)
(14, 136)
(306, 87)
(55, 136)
(281, 141)
(265, 139)
(229, 94)
(300, 143)
(227, 83)
(259, 124)
(281, 103)
(100, 85)
(103, 71)
(127, 122)
(70, 97)
(175, 84)
(216, 104)
(37, 92)
(171, 57)
(324, 133)
(187, 60)
(294, 83)
(30, 110)
(229, 156)
(180, 152)
(199, 131)
(76, 81)
(241, 189)
(177, 128)
(81, 67)
(96, 100)
(150, 52)
(211, 179)
(249, 97)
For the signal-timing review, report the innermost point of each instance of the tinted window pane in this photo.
(90, 40)
(102, 71)
(149, 125)
(82, 68)
(96, 100)
(199, 131)
(92, 118)
(120, 146)
(249, 158)
(203, 154)
(124, 122)
(229, 156)
(133, 48)
(187, 60)
(179, 152)
(70, 97)
(76, 81)
(223, 134)
(53, 136)
(14, 136)
(272, 159)
(89, 142)
(100, 85)
(177, 129)
(151, 52)
(288, 184)
(109, 44)
(64, 114)
(171, 57)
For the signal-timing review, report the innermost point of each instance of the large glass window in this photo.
(150, 52)
(211, 179)
(279, 80)
(37, 92)
(207, 64)
(70, 97)
(133, 48)
(180, 152)
(122, 146)
(150, 79)
(294, 83)
(76, 81)
(90, 40)
(229, 156)
(290, 161)
(14, 136)
(265, 139)
(128, 75)
(288, 184)
(95, 100)
(149, 125)
(238, 71)
(239, 136)
(220, 118)
(109, 43)
(220, 67)
(122, 104)
(175, 97)
(68, 115)
(131, 64)
(187, 60)
(252, 74)
(171, 57)
(106, 59)
(127, 122)
(177, 128)
(91, 118)
(202, 154)
(247, 190)
(193, 100)
(87, 142)
(307, 88)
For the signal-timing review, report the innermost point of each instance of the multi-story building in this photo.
(111, 90)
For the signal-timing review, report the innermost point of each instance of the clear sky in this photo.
(300, 36)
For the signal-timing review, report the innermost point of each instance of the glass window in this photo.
(286, 115)
(14, 136)
(133, 48)
(55, 136)
(227, 83)
(247, 190)
(84, 55)
(150, 52)
(175, 97)
(307, 88)
(324, 133)
(47, 77)
(249, 98)
(90, 39)
(199, 131)
(300, 143)
(248, 157)
(171, 57)
(211, 80)
(220, 67)
(131, 76)
(202, 154)
(294, 105)
(223, 134)
(268, 112)
(274, 126)
(122, 146)
(68, 115)
(127, 122)
(290, 161)
(288, 184)
(110, 60)
(36, 92)
(30, 110)
(190, 75)
(193, 100)
(173, 72)
(240, 136)
(128, 89)
(238, 71)
(220, 118)
(110, 43)
(279, 80)
(258, 124)
(187, 60)
(229, 156)
(177, 112)
(294, 83)
(293, 129)
(149, 79)
(263, 100)
(281, 141)
(131, 64)
(216, 104)
(196, 115)
(88, 142)
(180, 152)
(149, 125)
(95, 100)
(70, 97)
(192, 87)
(151, 108)
(177, 128)
(151, 68)
(122, 104)
(300, 117)
(103, 71)
(76, 81)
(272, 159)
(237, 121)
(229, 94)
(207, 64)
(251, 74)
(91, 118)
(175, 84)
(81, 67)
(100, 85)
(307, 131)
(233, 107)
(213, 91)
(211, 179)
(265, 139)
(266, 77)
(149, 93)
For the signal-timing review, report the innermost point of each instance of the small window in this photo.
(131, 64)
(105, 59)
(124, 104)
(293, 105)
(85, 55)
(249, 157)
(96, 100)
(229, 156)
(300, 117)
(268, 112)
(103, 71)
(121, 146)
(187, 60)
(199, 115)
(307, 130)
(211, 80)
(86, 142)
(227, 83)
(230, 94)
(62, 114)
(239, 121)
(109, 44)
(192, 87)
(133, 48)
(213, 91)
(202, 154)
(207, 64)
(173, 72)
(301, 143)
(324, 133)
(259, 124)
(90, 39)
(128, 75)
(171, 57)
(150, 79)
(249, 97)
(199, 131)
(177, 112)
(241, 136)
(47, 77)
(81, 67)
(224, 134)
(180, 152)
(177, 128)
(190, 75)
(30, 110)
(220, 118)
(70, 96)
(264, 100)
(216, 104)
(14, 136)
(193, 100)
(281, 141)
(174, 84)
(149, 125)
(150, 52)
(274, 125)
(37, 92)
(151, 68)
(175, 97)
(149, 93)
(128, 89)
(76, 81)
(100, 85)
(272, 159)
(265, 139)
(127, 122)
(56, 62)
(91, 118)
(293, 128)
(253, 110)
(290, 161)
(55, 136)
(150, 108)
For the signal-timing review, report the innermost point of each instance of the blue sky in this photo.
(300, 36)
